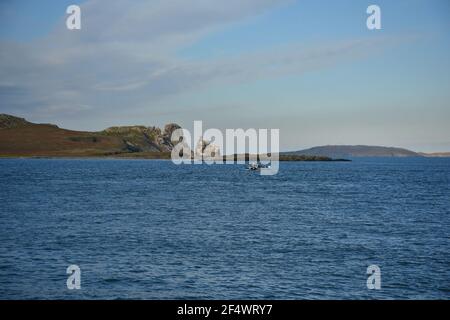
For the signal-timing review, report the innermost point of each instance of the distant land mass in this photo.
(21, 138)
(348, 151)
(436, 154)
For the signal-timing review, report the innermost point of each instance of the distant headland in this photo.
(347, 151)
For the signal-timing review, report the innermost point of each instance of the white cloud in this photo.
(124, 56)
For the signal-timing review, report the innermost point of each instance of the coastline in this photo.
(166, 157)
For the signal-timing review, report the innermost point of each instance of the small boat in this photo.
(255, 166)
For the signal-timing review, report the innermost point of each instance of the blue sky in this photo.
(310, 68)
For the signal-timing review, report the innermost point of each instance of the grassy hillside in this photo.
(20, 138)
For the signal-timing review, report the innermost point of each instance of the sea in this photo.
(150, 229)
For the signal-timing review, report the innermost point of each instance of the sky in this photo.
(310, 68)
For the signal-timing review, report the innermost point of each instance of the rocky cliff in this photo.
(144, 139)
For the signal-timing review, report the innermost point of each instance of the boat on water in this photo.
(256, 166)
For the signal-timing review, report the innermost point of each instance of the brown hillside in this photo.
(47, 140)
(19, 137)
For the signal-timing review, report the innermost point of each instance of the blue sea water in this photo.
(146, 229)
